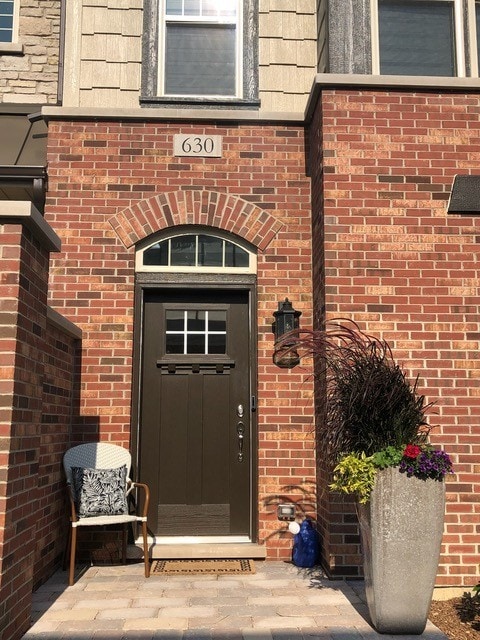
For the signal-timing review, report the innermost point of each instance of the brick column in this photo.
(26, 241)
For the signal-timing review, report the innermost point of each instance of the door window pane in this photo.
(174, 343)
(175, 320)
(157, 254)
(210, 251)
(182, 251)
(217, 321)
(190, 331)
(196, 343)
(200, 59)
(416, 37)
(235, 256)
(217, 343)
(196, 321)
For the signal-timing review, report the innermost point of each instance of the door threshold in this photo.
(194, 550)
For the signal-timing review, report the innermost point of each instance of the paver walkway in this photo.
(278, 602)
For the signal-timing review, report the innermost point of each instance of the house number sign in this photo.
(197, 145)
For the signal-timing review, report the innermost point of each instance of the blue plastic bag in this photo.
(306, 546)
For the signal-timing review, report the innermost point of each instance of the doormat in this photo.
(202, 567)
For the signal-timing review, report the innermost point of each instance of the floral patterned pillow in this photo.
(100, 492)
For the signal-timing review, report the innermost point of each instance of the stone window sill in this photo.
(192, 102)
(11, 48)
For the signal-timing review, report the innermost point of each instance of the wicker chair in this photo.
(89, 469)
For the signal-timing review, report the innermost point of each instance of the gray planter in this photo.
(401, 531)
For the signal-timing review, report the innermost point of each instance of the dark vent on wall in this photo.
(465, 196)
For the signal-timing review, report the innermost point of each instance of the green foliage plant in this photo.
(388, 457)
(355, 474)
(373, 416)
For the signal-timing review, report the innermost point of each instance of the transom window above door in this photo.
(199, 252)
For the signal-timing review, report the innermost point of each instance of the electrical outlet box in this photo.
(286, 512)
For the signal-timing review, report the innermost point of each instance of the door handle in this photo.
(241, 435)
(240, 411)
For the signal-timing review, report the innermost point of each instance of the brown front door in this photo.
(195, 432)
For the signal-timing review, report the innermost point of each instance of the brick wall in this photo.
(30, 75)
(405, 270)
(103, 177)
(58, 407)
(23, 302)
(37, 381)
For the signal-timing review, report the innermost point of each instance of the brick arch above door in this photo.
(200, 207)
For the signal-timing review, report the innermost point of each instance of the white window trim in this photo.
(473, 37)
(140, 267)
(16, 19)
(459, 36)
(13, 45)
(198, 20)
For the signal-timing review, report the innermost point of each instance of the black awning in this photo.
(465, 196)
(23, 154)
(24, 183)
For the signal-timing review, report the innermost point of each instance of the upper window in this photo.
(200, 51)
(196, 252)
(419, 37)
(201, 45)
(7, 14)
(477, 36)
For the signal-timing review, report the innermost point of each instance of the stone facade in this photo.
(29, 66)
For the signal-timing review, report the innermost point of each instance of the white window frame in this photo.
(16, 15)
(473, 36)
(238, 22)
(458, 33)
(175, 233)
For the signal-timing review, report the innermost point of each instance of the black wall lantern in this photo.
(286, 319)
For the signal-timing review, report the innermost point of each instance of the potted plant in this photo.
(376, 431)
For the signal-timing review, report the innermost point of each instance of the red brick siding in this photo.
(23, 294)
(60, 352)
(404, 269)
(111, 173)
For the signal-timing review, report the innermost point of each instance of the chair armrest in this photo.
(146, 490)
(73, 511)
